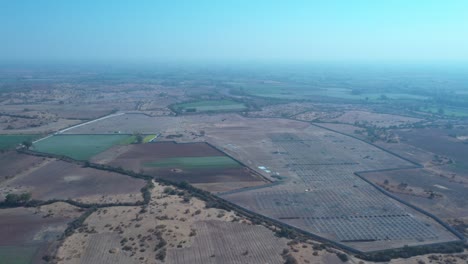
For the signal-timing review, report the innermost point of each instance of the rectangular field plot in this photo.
(195, 162)
(63, 180)
(210, 106)
(80, 147)
(10, 141)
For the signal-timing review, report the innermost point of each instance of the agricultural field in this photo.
(440, 141)
(75, 182)
(13, 163)
(300, 92)
(445, 196)
(188, 163)
(80, 147)
(196, 163)
(11, 141)
(372, 119)
(281, 110)
(209, 106)
(446, 111)
(29, 233)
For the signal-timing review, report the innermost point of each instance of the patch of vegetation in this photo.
(13, 199)
(80, 147)
(147, 138)
(209, 106)
(195, 162)
(445, 111)
(77, 223)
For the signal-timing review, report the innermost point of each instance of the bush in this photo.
(343, 257)
(17, 199)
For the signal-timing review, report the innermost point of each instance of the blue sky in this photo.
(255, 30)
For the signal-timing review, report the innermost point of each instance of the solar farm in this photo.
(323, 196)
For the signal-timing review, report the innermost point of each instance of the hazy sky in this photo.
(237, 30)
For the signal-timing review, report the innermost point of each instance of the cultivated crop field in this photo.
(186, 163)
(62, 180)
(196, 163)
(298, 91)
(80, 147)
(210, 106)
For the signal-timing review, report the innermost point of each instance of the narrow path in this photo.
(75, 126)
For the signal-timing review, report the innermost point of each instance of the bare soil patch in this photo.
(13, 163)
(62, 180)
(34, 231)
(443, 196)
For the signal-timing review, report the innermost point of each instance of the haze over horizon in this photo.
(298, 31)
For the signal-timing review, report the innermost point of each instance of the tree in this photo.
(138, 137)
(27, 143)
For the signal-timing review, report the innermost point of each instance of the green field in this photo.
(10, 141)
(195, 162)
(447, 111)
(80, 147)
(17, 255)
(299, 92)
(147, 138)
(210, 106)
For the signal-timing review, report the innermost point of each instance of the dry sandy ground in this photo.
(166, 216)
(133, 235)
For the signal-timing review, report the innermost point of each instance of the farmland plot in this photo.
(13, 163)
(196, 163)
(210, 106)
(373, 119)
(62, 180)
(80, 147)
